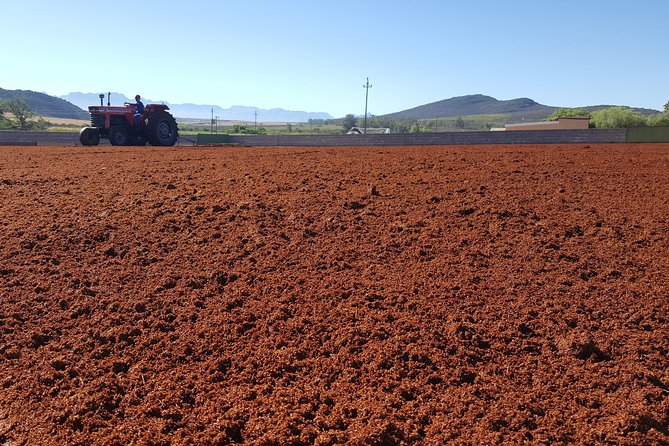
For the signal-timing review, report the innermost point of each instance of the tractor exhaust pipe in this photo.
(108, 99)
(102, 97)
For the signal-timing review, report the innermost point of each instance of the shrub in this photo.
(658, 120)
(617, 118)
(568, 113)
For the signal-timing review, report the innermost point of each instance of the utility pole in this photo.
(211, 125)
(367, 86)
(255, 119)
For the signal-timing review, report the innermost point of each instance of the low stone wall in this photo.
(22, 138)
(592, 136)
(17, 137)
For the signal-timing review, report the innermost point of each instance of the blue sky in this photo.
(315, 56)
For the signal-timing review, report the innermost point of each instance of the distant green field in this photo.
(470, 123)
(190, 128)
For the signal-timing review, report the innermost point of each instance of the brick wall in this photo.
(451, 138)
(591, 136)
(16, 137)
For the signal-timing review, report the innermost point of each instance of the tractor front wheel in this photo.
(161, 129)
(89, 136)
(118, 135)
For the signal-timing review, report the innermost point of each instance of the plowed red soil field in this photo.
(362, 296)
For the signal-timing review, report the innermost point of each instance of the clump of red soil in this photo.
(363, 296)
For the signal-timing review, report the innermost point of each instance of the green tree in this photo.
(459, 123)
(658, 120)
(20, 110)
(40, 124)
(241, 129)
(348, 122)
(415, 127)
(568, 113)
(400, 127)
(617, 118)
(666, 107)
(4, 123)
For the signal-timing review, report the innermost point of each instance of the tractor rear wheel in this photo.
(161, 129)
(89, 136)
(118, 135)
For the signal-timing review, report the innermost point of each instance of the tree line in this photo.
(615, 117)
(395, 125)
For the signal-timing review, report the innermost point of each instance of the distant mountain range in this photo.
(45, 105)
(521, 109)
(195, 111)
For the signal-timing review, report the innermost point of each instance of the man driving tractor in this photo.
(139, 109)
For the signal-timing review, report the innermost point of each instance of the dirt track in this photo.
(289, 296)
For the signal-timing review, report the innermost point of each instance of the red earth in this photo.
(363, 296)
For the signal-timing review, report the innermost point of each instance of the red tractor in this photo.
(156, 126)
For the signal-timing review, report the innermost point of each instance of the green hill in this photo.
(477, 104)
(45, 105)
(515, 110)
